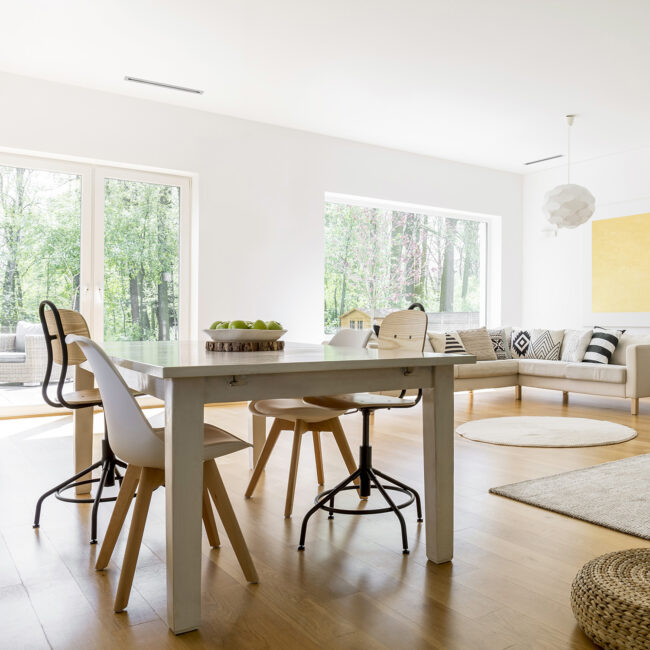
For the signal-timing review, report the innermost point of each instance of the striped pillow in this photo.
(602, 345)
(453, 344)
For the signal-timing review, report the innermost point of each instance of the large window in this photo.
(378, 259)
(110, 242)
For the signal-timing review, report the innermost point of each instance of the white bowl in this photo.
(245, 335)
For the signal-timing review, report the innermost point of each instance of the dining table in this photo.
(186, 376)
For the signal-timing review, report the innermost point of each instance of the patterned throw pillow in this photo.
(602, 345)
(446, 342)
(545, 344)
(520, 343)
(574, 345)
(453, 344)
(500, 344)
(478, 343)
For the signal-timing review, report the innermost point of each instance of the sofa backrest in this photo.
(23, 329)
(628, 339)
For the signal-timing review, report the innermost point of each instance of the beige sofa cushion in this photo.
(478, 343)
(596, 372)
(542, 368)
(619, 358)
(500, 368)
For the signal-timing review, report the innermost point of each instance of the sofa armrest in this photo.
(7, 342)
(637, 361)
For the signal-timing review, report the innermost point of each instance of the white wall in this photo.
(554, 290)
(260, 190)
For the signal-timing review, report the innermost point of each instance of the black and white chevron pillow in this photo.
(602, 345)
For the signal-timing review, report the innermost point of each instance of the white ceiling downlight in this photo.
(160, 84)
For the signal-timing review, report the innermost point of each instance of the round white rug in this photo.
(535, 431)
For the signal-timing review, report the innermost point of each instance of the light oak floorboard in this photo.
(508, 586)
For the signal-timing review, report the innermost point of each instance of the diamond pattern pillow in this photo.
(500, 344)
(520, 343)
(545, 344)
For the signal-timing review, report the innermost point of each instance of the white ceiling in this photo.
(479, 81)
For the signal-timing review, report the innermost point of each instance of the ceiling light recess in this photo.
(149, 82)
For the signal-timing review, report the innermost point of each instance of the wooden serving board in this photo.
(244, 346)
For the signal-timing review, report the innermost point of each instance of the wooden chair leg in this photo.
(298, 430)
(150, 479)
(272, 438)
(344, 446)
(208, 518)
(318, 454)
(122, 505)
(229, 520)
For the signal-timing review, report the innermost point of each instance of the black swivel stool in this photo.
(57, 324)
(405, 330)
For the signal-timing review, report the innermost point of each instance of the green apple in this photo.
(223, 325)
(238, 325)
(214, 325)
(273, 325)
(259, 325)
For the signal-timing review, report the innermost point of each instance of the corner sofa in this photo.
(626, 376)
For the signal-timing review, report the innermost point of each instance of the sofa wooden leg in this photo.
(518, 392)
(565, 397)
(634, 406)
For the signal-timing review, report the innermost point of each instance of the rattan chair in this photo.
(404, 330)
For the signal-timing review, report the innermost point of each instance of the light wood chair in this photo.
(297, 416)
(142, 446)
(404, 330)
(57, 324)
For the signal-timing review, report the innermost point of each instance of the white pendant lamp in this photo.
(569, 205)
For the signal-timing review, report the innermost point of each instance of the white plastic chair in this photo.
(142, 446)
(298, 416)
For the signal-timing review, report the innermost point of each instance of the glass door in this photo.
(141, 261)
(40, 258)
(140, 275)
(112, 243)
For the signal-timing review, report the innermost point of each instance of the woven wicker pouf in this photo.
(610, 598)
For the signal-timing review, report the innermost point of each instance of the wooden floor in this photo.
(508, 586)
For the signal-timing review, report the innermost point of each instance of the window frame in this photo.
(92, 230)
(490, 271)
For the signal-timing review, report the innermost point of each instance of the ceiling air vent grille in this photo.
(534, 162)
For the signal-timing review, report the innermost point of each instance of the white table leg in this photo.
(256, 436)
(83, 428)
(438, 441)
(183, 495)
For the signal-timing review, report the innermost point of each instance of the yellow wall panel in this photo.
(620, 264)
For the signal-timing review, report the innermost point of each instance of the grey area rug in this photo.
(615, 495)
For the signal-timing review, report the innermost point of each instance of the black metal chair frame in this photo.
(369, 478)
(108, 462)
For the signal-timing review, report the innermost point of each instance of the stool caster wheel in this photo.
(301, 548)
(405, 551)
(420, 520)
